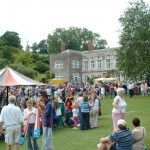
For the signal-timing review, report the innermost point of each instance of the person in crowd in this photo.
(115, 89)
(85, 114)
(55, 121)
(119, 108)
(145, 88)
(111, 90)
(94, 111)
(79, 101)
(30, 111)
(61, 106)
(102, 92)
(121, 140)
(142, 88)
(13, 123)
(139, 135)
(47, 122)
(75, 112)
(130, 88)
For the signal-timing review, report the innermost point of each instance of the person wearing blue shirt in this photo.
(120, 140)
(47, 122)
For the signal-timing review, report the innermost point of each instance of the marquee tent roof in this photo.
(10, 77)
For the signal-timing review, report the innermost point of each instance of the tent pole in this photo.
(7, 94)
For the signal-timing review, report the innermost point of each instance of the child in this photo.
(75, 112)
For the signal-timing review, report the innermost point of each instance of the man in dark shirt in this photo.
(120, 140)
(47, 122)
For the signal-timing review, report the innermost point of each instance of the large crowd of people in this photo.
(71, 105)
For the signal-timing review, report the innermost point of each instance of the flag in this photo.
(37, 125)
(25, 131)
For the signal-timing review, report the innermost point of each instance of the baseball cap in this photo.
(121, 122)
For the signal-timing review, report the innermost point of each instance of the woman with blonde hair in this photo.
(119, 108)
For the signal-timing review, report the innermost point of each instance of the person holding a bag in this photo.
(30, 111)
(139, 135)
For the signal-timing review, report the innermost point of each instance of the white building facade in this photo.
(92, 63)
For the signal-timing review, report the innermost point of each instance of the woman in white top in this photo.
(119, 108)
(94, 111)
(142, 89)
(30, 112)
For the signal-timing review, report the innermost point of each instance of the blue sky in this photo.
(34, 19)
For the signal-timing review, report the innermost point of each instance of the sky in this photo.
(35, 19)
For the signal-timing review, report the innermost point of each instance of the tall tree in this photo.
(43, 47)
(24, 58)
(134, 54)
(35, 47)
(12, 39)
(74, 38)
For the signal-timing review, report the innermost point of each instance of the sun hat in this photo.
(121, 122)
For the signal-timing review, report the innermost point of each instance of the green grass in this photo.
(69, 139)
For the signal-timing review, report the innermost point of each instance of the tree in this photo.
(24, 70)
(12, 39)
(41, 67)
(134, 54)
(23, 57)
(35, 47)
(43, 47)
(74, 38)
(7, 53)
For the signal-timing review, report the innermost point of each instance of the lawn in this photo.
(69, 139)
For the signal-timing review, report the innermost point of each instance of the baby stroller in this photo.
(69, 122)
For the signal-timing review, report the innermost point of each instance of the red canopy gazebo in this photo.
(10, 77)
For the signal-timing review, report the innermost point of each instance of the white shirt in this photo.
(102, 90)
(75, 112)
(96, 105)
(11, 115)
(32, 117)
(80, 100)
(122, 104)
(130, 86)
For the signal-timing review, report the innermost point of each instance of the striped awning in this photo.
(10, 77)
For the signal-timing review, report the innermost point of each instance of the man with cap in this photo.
(120, 140)
(47, 122)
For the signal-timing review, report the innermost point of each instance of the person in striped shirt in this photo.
(120, 140)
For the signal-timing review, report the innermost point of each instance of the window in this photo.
(58, 64)
(58, 75)
(107, 63)
(75, 64)
(85, 64)
(85, 78)
(92, 64)
(99, 64)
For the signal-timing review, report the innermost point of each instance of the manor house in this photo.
(78, 66)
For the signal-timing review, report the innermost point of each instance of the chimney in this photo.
(90, 46)
(62, 48)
